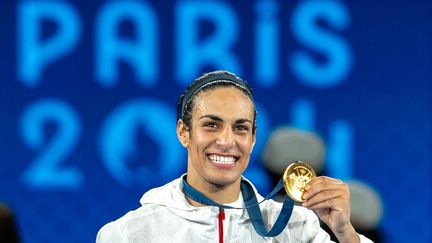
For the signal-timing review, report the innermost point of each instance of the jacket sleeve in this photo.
(321, 235)
(109, 234)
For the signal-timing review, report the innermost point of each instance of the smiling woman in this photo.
(219, 137)
(216, 124)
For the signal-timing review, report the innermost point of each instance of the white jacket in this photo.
(166, 216)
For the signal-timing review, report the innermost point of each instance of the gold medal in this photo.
(295, 178)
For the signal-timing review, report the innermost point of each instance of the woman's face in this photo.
(221, 137)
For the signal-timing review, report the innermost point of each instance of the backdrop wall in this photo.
(89, 90)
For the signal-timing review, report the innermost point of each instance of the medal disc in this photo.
(295, 178)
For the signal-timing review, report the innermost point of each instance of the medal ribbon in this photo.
(251, 205)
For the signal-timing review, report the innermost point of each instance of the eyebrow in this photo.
(213, 117)
(216, 118)
(240, 121)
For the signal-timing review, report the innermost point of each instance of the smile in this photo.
(225, 160)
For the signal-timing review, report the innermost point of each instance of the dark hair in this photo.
(210, 81)
(8, 228)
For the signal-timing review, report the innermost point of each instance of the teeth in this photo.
(222, 159)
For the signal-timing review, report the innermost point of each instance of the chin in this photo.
(224, 180)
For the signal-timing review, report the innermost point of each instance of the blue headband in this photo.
(206, 80)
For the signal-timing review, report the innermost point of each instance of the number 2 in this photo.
(45, 170)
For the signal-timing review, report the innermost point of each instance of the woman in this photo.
(216, 118)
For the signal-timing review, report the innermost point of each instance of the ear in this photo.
(253, 141)
(182, 133)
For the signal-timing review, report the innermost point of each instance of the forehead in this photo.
(224, 102)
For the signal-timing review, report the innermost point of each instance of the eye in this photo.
(210, 124)
(242, 128)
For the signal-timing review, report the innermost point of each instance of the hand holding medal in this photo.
(332, 208)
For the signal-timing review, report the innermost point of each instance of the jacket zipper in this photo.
(221, 217)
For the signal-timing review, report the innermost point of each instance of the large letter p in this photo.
(33, 54)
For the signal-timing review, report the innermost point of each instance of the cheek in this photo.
(247, 144)
(202, 139)
(197, 146)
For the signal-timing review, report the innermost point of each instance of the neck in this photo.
(220, 194)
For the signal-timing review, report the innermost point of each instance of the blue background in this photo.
(82, 140)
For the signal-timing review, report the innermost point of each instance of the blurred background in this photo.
(90, 89)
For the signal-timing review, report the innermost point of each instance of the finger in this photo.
(335, 203)
(322, 186)
(324, 179)
(323, 196)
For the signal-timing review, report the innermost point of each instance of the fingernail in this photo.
(304, 196)
(307, 187)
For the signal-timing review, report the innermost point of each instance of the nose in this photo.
(225, 139)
